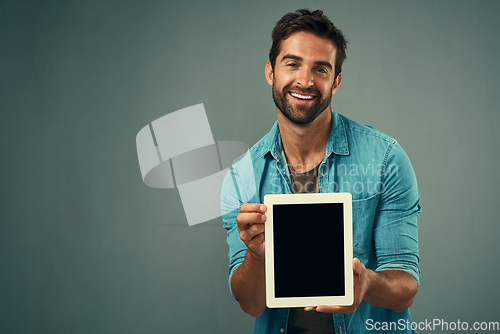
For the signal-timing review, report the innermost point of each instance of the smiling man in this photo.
(300, 96)
(313, 149)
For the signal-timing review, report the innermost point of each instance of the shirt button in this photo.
(282, 330)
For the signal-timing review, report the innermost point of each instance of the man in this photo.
(313, 149)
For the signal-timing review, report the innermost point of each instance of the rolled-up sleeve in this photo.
(396, 232)
(230, 207)
(238, 187)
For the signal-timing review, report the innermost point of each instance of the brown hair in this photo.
(314, 22)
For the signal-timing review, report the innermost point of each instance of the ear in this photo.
(336, 83)
(269, 73)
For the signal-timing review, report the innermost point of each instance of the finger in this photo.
(334, 309)
(328, 309)
(250, 234)
(357, 267)
(245, 220)
(254, 243)
(309, 308)
(355, 264)
(256, 229)
(258, 239)
(253, 207)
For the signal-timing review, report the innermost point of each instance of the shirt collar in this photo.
(337, 141)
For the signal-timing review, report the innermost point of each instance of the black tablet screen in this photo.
(308, 250)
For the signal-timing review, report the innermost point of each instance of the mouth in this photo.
(303, 97)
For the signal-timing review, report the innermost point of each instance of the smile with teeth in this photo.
(302, 96)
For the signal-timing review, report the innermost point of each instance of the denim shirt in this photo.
(377, 172)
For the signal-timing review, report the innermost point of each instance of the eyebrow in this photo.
(294, 57)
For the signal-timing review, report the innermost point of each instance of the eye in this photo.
(291, 65)
(321, 70)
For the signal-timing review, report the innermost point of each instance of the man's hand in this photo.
(251, 221)
(249, 282)
(391, 289)
(361, 284)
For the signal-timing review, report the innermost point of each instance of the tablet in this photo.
(308, 251)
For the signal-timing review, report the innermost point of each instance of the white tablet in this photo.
(308, 250)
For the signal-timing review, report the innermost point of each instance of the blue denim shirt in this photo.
(377, 172)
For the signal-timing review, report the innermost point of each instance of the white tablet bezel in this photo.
(346, 199)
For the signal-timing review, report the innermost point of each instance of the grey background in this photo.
(86, 247)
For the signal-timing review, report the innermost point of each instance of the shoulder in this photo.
(367, 143)
(357, 130)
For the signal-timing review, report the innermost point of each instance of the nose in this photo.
(305, 78)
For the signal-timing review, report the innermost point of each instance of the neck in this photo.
(304, 145)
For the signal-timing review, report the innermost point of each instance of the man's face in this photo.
(303, 77)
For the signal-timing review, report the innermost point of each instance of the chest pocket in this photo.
(363, 218)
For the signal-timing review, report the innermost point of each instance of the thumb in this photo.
(356, 265)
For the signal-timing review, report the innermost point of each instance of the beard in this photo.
(300, 115)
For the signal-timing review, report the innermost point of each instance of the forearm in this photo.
(249, 285)
(391, 289)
